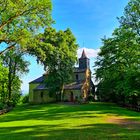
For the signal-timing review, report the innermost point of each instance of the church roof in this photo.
(74, 86)
(84, 54)
(41, 87)
(38, 80)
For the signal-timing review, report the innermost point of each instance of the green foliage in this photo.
(57, 51)
(117, 66)
(1, 106)
(20, 20)
(3, 84)
(12, 67)
(25, 98)
(13, 99)
(131, 17)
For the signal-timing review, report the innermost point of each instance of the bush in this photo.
(91, 98)
(15, 99)
(1, 106)
(25, 98)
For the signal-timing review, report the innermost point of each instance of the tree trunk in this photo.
(62, 93)
(9, 81)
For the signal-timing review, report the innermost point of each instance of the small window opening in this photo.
(41, 95)
(77, 77)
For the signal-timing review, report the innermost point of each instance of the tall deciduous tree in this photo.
(3, 84)
(118, 63)
(13, 60)
(131, 18)
(57, 51)
(20, 20)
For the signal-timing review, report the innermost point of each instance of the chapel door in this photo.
(71, 97)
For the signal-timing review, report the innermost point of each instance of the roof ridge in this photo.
(38, 80)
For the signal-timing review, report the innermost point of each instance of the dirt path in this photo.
(132, 124)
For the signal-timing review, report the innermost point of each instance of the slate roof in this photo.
(38, 80)
(74, 86)
(41, 87)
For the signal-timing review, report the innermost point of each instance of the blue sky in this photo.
(89, 20)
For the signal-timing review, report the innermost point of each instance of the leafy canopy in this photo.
(13, 66)
(20, 20)
(117, 65)
(57, 51)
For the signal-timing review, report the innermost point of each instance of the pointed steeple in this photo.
(83, 54)
(83, 61)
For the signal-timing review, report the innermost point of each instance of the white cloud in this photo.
(91, 53)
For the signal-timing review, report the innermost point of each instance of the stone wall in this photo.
(32, 86)
(42, 96)
(76, 94)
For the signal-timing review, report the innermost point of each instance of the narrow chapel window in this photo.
(77, 77)
(41, 95)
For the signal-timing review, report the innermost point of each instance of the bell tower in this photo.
(84, 61)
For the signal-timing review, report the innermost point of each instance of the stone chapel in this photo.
(80, 87)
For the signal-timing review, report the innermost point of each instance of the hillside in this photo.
(97, 121)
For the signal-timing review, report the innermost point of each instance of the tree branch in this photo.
(15, 16)
(8, 48)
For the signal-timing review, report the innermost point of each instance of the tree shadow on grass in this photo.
(49, 114)
(57, 112)
(63, 131)
(81, 132)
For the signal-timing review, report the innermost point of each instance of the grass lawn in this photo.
(97, 121)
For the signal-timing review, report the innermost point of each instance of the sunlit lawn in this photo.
(97, 121)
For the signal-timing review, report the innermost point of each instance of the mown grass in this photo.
(69, 122)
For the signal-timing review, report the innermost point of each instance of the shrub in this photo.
(1, 106)
(90, 98)
(25, 98)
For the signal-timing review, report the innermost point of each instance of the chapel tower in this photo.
(84, 61)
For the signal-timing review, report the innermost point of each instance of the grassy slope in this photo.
(65, 122)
